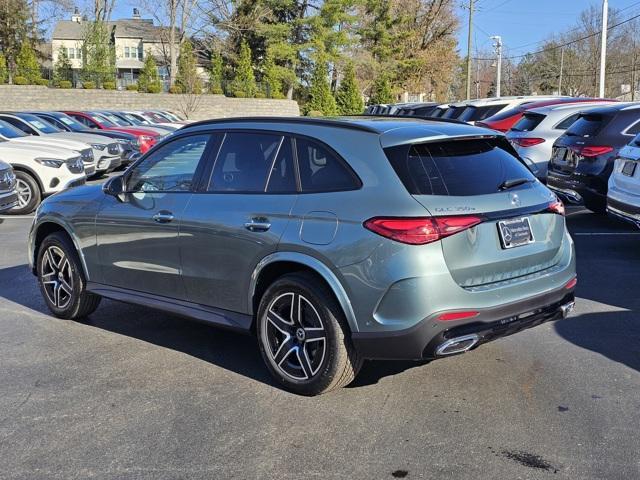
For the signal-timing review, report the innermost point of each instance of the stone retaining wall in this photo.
(19, 97)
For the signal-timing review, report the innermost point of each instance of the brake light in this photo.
(571, 283)
(527, 142)
(556, 207)
(450, 316)
(592, 150)
(421, 230)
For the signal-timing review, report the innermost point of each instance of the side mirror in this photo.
(114, 186)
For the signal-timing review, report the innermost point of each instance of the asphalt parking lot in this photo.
(137, 394)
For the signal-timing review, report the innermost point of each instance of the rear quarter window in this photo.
(588, 125)
(456, 168)
(528, 122)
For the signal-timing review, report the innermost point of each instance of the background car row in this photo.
(45, 152)
(585, 149)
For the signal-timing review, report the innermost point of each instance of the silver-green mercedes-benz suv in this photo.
(333, 240)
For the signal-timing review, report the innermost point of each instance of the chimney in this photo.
(136, 13)
(76, 17)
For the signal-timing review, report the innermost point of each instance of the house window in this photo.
(70, 53)
(79, 53)
(140, 52)
(126, 52)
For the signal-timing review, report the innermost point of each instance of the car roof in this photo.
(392, 130)
(569, 107)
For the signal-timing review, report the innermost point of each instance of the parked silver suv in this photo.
(334, 240)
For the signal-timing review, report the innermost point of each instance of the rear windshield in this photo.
(588, 125)
(528, 122)
(456, 168)
(506, 114)
(454, 112)
(474, 114)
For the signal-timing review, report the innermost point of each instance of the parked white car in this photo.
(41, 171)
(8, 193)
(154, 119)
(623, 197)
(105, 152)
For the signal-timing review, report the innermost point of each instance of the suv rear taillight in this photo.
(421, 230)
(592, 150)
(527, 142)
(556, 207)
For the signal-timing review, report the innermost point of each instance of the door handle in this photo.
(258, 225)
(163, 216)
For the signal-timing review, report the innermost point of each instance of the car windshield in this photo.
(115, 119)
(9, 131)
(71, 123)
(132, 118)
(528, 122)
(101, 119)
(39, 124)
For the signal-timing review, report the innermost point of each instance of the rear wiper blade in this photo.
(513, 182)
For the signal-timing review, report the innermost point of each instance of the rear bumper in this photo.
(8, 200)
(624, 211)
(577, 189)
(427, 339)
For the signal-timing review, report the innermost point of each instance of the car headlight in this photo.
(50, 162)
(99, 146)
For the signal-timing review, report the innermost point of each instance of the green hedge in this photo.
(175, 89)
(154, 88)
(42, 82)
(19, 80)
(133, 87)
(109, 85)
(89, 85)
(64, 84)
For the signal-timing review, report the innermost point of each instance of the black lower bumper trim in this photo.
(422, 340)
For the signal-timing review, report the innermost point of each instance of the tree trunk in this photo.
(173, 54)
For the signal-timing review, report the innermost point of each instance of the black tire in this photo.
(65, 296)
(26, 181)
(596, 206)
(320, 370)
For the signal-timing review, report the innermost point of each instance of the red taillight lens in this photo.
(556, 207)
(592, 151)
(571, 283)
(527, 142)
(419, 231)
(450, 316)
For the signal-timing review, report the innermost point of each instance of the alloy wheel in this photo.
(24, 193)
(294, 336)
(56, 277)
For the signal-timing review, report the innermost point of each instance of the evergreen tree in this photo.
(187, 79)
(4, 71)
(381, 90)
(62, 70)
(15, 26)
(27, 64)
(215, 74)
(99, 57)
(272, 79)
(320, 98)
(148, 78)
(244, 82)
(348, 97)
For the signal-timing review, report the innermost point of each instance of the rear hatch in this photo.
(473, 113)
(626, 174)
(519, 233)
(581, 148)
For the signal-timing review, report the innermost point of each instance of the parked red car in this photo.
(502, 122)
(145, 138)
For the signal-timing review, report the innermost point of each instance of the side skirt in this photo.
(214, 316)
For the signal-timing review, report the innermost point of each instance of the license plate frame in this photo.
(629, 168)
(515, 232)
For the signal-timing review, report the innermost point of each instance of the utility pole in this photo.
(603, 45)
(561, 68)
(471, 2)
(498, 46)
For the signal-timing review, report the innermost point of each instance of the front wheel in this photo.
(61, 279)
(29, 195)
(303, 336)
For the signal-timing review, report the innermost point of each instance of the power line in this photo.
(556, 47)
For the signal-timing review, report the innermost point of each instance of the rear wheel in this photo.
(29, 195)
(61, 279)
(303, 336)
(595, 205)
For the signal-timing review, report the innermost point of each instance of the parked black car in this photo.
(582, 159)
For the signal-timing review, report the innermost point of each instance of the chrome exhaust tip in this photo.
(567, 308)
(457, 345)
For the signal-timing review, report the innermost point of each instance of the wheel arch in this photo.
(280, 263)
(46, 228)
(18, 167)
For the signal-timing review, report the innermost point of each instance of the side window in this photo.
(244, 162)
(83, 120)
(171, 168)
(633, 129)
(321, 170)
(20, 125)
(567, 122)
(56, 122)
(282, 178)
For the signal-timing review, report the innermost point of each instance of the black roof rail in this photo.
(412, 117)
(326, 122)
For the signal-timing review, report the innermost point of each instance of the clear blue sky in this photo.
(524, 22)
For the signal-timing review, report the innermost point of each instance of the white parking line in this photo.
(8, 217)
